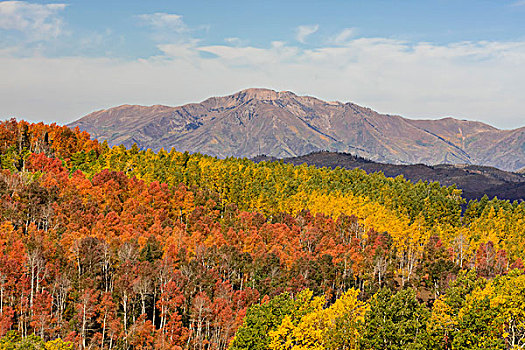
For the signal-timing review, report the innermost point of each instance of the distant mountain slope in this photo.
(282, 124)
(474, 180)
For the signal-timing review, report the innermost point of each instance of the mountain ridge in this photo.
(475, 181)
(283, 124)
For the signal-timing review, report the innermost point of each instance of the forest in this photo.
(113, 248)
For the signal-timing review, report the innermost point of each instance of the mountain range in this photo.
(282, 124)
(475, 181)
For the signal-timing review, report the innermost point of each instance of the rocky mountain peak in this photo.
(261, 94)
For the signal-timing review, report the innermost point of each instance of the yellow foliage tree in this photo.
(321, 328)
(58, 344)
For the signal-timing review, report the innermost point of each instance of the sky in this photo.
(421, 59)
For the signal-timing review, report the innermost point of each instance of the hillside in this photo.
(114, 248)
(282, 124)
(475, 181)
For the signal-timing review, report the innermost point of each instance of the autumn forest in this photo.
(113, 248)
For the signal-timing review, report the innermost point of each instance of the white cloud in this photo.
(262, 59)
(235, 41)
(36, 21)
(232, 40)
(344, 36)
(303, 32)
(169, 29)
(182, 50)
(164, 21)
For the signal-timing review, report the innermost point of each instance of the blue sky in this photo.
(421, 59)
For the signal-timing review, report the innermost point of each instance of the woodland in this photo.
(113, 248)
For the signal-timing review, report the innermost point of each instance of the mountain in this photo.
(474, 180)
(282, 124)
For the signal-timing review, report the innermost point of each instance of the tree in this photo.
(86, 308)
(335, 327)
(259, 320)
(493, 317)
(443, 322)
(395, 322)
